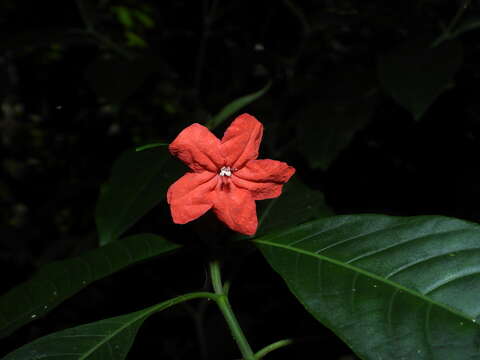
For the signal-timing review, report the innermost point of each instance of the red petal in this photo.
(197, 147)
(191, 196)
(263, 178)
(241, 141)
(236, 208)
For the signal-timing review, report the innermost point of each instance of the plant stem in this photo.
(226, 309)
(274, 346)
(458, 16)
(449, 30)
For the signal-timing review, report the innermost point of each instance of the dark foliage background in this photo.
(81, 81)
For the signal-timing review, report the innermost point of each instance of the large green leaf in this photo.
(139, 181)
(416, 73)
(390, 287)
(235, 106)
(59, 280)
(297, 204)
(106, 339)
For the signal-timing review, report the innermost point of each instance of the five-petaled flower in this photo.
(225, 175)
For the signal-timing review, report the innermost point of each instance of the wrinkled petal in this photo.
(241, 141)
(263, 178)
(236, 208)
(191, 196)
(198, 148)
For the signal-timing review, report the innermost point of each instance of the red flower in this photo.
(225, 176)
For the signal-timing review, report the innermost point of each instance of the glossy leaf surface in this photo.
(236, 105)
(390, 287)
(139, 181)
(105, 339)
(59, 280)
(416, 73)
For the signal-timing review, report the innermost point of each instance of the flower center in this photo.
(225, 171)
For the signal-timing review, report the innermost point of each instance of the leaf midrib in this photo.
(146, 312)
(62, 294)
(369, 275)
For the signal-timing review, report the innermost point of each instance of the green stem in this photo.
(269, 348)
(458, 16)
(449, 30)
(226, 309)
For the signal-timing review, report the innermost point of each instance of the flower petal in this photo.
(241, 141)
(198, 148)
(236, 208)
(191, 196)
(263, 178)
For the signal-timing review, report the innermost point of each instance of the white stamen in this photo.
(225, 171)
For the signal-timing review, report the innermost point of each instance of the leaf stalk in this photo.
(274, 346)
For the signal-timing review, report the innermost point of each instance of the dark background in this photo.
(81, 81)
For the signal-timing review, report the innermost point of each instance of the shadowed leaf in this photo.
(106, 339)
(297, 204)
(416, 73)
(59, 280)
(467, 25)
(343, 105)
(326, 129)
(139, 181)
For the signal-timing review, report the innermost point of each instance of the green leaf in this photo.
(106, 339)
(150, 146)
(59, 280)
(135, 40)
(123, 16)
(297, 204)
(144, 18)
(416, 73)
(139, 181)
(390, 287)
(235, 106)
